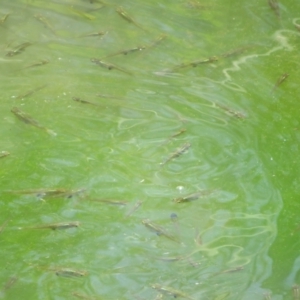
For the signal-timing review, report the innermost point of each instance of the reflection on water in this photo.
(149, 103)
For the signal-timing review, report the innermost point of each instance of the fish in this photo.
(181, 131)
(233, 270)
(10, 282)
(134, 208)
(19, 49)
(178, 133)
(193, 196)
(83, 14)
(27, 119)
(231, 112)
(45, 22)
(64, 272)
(158, 230)
(4, 18)
(194, 63)
(236, 51)
(29, 93)
(56, 226)
(37, 64)
(157, 41)
(120, 10)
(170, 291)
(280, 80)
(170, 259)
(154, 43)
(3, 226)
(275, 6)
(50, 193)
(94, 34)
(109, 66)
(179, 151)
(127, 51)
(109, 97)
(110, 201)
(84, 101)
(4, 153)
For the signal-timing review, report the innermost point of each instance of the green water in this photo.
(241, 239)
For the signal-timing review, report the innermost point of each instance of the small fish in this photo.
(127, 51)
(84, 101)
(181, 131)
(158, 230)
(45, 22)
(64, 272)
(193, 196)
(50, 193)
(154, 43)
(10, 282)
(37, 64)
(3, 226)
(4, 153)
(182, 149)
(170, 259)
(233, 270)
(110, 201)
(24, 117)
(231, 112)
(64, 193)
(83, 14)
(108, 66)
(3, 19)
(157, 41)
(109, 97)
(178, 133)
(134, 208)
(29, 93)
(170, 291)
(94, 34)
(275, 6)
(124, 15)
(236, 51)
(280, 80)
(195, 63)
(19, 49)
(56, 226)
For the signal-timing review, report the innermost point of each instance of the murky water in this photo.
(122, 111)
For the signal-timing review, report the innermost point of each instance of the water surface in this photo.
(202, 74)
